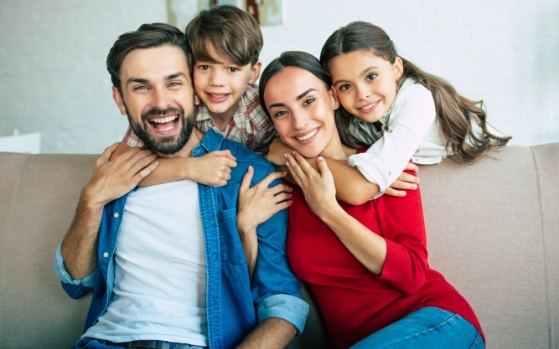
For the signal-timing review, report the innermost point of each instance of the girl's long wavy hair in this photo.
(456, 113)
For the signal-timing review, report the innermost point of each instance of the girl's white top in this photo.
(410, 130)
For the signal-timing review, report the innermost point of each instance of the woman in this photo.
(367, 270)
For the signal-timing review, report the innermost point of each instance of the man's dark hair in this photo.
(147, 36)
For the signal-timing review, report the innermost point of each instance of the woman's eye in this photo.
(279, 113)
(308, 101)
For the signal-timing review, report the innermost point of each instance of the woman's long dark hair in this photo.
(456, 113)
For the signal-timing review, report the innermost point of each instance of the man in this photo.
(165, 263)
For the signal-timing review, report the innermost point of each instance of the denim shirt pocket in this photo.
(230, 243)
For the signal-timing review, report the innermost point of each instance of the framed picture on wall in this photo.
(266, 12)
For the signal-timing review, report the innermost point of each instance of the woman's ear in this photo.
(398, 67)
(335, 100)
(117, 96)
(255, 72)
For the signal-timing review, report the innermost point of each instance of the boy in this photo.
(226, 43)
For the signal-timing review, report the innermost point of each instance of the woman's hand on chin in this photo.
(318, 186)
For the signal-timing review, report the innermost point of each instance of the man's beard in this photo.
(166, 145)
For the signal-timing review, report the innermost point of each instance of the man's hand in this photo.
(213, 169)
(115, 175)
(404, 182)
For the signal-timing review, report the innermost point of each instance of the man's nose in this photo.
(160, 99)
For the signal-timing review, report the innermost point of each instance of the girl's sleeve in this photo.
(403, 228)
(414, 113)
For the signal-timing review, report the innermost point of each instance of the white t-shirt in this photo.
(160, 269)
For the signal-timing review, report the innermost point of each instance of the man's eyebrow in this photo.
(176, 75)
(145, 81)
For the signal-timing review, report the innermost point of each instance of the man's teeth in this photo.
(307, 136)
(163, 120)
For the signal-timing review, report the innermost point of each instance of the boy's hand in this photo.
(277, 151)
(405, 181)
(214, 169)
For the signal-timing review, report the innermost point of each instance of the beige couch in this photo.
(493, 230)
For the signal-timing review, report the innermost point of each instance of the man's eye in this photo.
(174, 83)
(140, 88)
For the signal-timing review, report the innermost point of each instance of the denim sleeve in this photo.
(74, 288)
(276, 290)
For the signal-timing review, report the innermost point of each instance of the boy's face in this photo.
(220, 85)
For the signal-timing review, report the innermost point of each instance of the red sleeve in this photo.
(403, 227)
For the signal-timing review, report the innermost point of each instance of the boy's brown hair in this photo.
(229, 31)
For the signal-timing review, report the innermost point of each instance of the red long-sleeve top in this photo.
(353, 301)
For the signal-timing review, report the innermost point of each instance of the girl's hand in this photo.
(318, 186)
(406, 181)
(277, 151)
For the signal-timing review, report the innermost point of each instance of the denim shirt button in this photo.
(105, 255)
(116, 215)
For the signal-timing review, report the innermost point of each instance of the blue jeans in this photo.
(91, 343)
(426, 328)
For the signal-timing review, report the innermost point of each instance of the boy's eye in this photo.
(203, 67)
(371, 77)
(233, 69)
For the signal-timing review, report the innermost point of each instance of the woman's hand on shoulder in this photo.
(317, 185)
(277, 151)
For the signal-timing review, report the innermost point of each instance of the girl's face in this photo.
(302, 108)
(365, 83)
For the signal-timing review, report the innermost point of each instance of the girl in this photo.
(368, 269)
(397, 109)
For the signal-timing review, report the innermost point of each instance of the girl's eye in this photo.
(308, 101)
(371, 77)
(344, 87)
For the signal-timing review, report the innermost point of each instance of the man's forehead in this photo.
(154, 62)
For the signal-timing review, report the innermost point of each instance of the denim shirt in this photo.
(235, 304)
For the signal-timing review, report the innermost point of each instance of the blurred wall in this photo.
(54, 81)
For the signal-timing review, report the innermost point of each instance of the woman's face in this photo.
(302, 108)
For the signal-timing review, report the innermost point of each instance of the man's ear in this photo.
(255, 72)
(118, 100)
(335, 100)
(398, 67)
